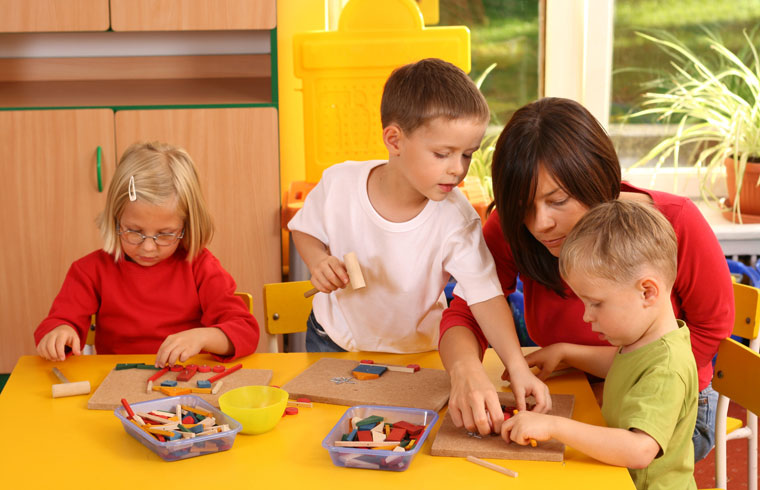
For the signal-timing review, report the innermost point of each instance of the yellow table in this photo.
(59, 443)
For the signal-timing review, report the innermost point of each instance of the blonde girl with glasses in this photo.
(154, 286)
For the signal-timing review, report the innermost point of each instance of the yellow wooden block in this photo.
(201, 390)
(197, 410)
(175, 390)
(364, 376)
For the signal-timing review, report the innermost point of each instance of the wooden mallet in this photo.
(354, 274)
(67, 388)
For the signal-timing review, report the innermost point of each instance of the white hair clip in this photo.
(131, 190)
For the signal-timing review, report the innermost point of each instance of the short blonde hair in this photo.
(161, 173)
(616, 238)
(417, 93)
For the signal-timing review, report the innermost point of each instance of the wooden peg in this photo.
(67, 388)
(354, 274)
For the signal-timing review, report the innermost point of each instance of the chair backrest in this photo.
(747, 312)
(247, 299)
(285, 308)
(736, 373)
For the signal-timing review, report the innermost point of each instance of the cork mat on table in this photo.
(132, 383)
(321, 382)
(453, 441)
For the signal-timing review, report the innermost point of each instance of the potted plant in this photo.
(715, 103)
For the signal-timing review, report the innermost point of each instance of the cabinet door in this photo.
(49, 199)
(53, 15)
(192, 15)
(236, 153)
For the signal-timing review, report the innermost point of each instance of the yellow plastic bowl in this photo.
(257, 408)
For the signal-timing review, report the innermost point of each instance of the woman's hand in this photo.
(473, 402)
(524, 383)
(52, 346)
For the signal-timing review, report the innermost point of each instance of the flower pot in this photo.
(749, 196)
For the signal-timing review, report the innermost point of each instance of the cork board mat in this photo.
(427, 388)
(132, 383)
(452, 441)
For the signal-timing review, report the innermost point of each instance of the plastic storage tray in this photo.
(181, 448)
(374, 458)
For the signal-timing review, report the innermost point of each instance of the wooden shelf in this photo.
(131, 93)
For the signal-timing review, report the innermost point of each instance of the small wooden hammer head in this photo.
(69, 389)
(354, 270)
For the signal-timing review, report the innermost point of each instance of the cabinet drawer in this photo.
(192, 15)
(53, 15)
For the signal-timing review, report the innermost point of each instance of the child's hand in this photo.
(52, 346)
(546, 359)
(181, 346)
(473, 402)
(524, 426)
(523, 383)
(329, 274)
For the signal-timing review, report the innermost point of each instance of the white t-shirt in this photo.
(405, 265)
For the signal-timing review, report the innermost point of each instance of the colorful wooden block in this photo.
(204, 383)
(365, 436)
(187, 373)
(168, 382)
(396, 434)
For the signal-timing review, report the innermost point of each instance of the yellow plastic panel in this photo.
(736, 373)
(344, 71)
(429, 9)
(747, 304)
(285, 307)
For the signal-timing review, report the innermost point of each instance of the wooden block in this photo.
(452, 441)
(397, 434)
(362, 376)
(365, 435)
(132, 384)
(364, 444)
(187, 373)
(428, 388)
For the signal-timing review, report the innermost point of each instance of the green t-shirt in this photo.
(655, 389)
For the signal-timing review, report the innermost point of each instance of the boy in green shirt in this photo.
(620, 259)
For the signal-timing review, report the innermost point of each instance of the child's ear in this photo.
(650, 289)
(392, 136)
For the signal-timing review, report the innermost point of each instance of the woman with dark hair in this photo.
(552, 163)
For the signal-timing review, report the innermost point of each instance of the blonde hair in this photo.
(616, 238)
(419, 92)
(161, 173)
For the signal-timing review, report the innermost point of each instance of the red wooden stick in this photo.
(127, 408)
(158, 374)
(222, 375)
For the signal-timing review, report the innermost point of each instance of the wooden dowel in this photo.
(491, 466)
(354, 274)
(225, 373)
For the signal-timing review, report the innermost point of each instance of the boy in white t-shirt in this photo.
(410, 227)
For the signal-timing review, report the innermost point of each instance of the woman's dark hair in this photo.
(572, 146)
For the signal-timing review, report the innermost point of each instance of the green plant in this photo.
(715, 103)
(480, 165)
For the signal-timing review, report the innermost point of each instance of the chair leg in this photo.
(752, 451)
(720, 442)
(273, 347)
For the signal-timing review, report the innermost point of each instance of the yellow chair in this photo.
(89, 347)
(285, 309)
(736, 374)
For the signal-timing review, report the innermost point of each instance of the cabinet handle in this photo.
(100, 178)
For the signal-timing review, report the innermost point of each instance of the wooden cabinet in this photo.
(49, 198)
(235, 151)
(55, 112)
(192, 15)
(53, 15)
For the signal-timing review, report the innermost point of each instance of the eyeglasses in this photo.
(162, 239)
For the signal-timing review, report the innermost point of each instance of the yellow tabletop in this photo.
(59, 443)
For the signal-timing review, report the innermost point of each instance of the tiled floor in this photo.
(704, 471)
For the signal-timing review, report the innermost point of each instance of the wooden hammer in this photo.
(67, 388)
(354, 274)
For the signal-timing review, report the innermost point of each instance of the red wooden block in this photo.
(204, 369)
(188, 420)
(291, 411)
(366, 361)
(218, 368)
(416, 367)
(397, 434)
(303, 400)
(507, 416)
(365, 435)
(177, 368)
(187, 373)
